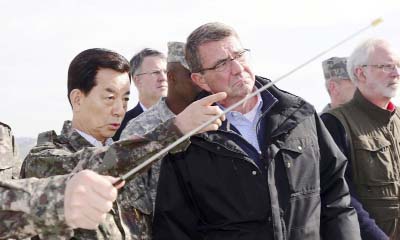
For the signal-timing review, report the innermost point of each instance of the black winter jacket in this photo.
(215, 191)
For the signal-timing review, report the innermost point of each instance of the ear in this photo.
(170, 77)
(359, 72)
(136, 81)
(76, 96)
(200, 81)
(332, 88)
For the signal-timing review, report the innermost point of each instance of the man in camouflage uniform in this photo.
(99, 97)
(98, 90)
(57, 204)
(139, 194)
(10, 163)
(337, 82)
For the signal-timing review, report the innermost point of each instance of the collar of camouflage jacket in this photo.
(69, 135)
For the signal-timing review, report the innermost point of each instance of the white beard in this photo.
(384, 89)
(389, 91)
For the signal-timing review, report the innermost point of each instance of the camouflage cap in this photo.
(335, 67)
(176, 53)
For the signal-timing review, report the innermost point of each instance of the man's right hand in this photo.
(200, 112)
(88, 198)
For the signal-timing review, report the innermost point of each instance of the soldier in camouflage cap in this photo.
(181, 93)
(337, 82)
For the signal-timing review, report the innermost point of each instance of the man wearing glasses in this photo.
(148, 69)
(367, 129)
(271, 171)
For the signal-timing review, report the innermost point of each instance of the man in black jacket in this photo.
(271, 171)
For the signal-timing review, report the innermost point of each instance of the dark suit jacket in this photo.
(131, 114)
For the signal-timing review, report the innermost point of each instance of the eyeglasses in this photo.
(387, 68)
(155, 73)
(224, 64)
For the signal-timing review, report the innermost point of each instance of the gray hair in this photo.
(208, 32)
(137, 59)
(361, 56)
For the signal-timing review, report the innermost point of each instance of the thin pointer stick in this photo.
(153, 158)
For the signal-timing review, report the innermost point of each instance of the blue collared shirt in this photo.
(246, 123)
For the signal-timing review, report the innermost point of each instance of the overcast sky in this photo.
(40, 38)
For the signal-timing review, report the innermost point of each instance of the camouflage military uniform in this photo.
(139, 194)
(32, 206)
(51, 157)
(8, 150)
(56, 155)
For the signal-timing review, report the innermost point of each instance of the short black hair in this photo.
(83, 68)
(138, 58)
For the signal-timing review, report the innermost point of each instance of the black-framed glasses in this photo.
(154, 73)
(387, 68)
(224, 64)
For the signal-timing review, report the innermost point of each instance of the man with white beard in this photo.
(367, 130)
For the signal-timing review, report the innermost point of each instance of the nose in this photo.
(396, 71)
(236, 66)
(162, 76)
(119, 108)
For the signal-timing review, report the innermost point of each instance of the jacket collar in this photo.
(377, 113)
(72, 137)
(287, 113)
(283, 110)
